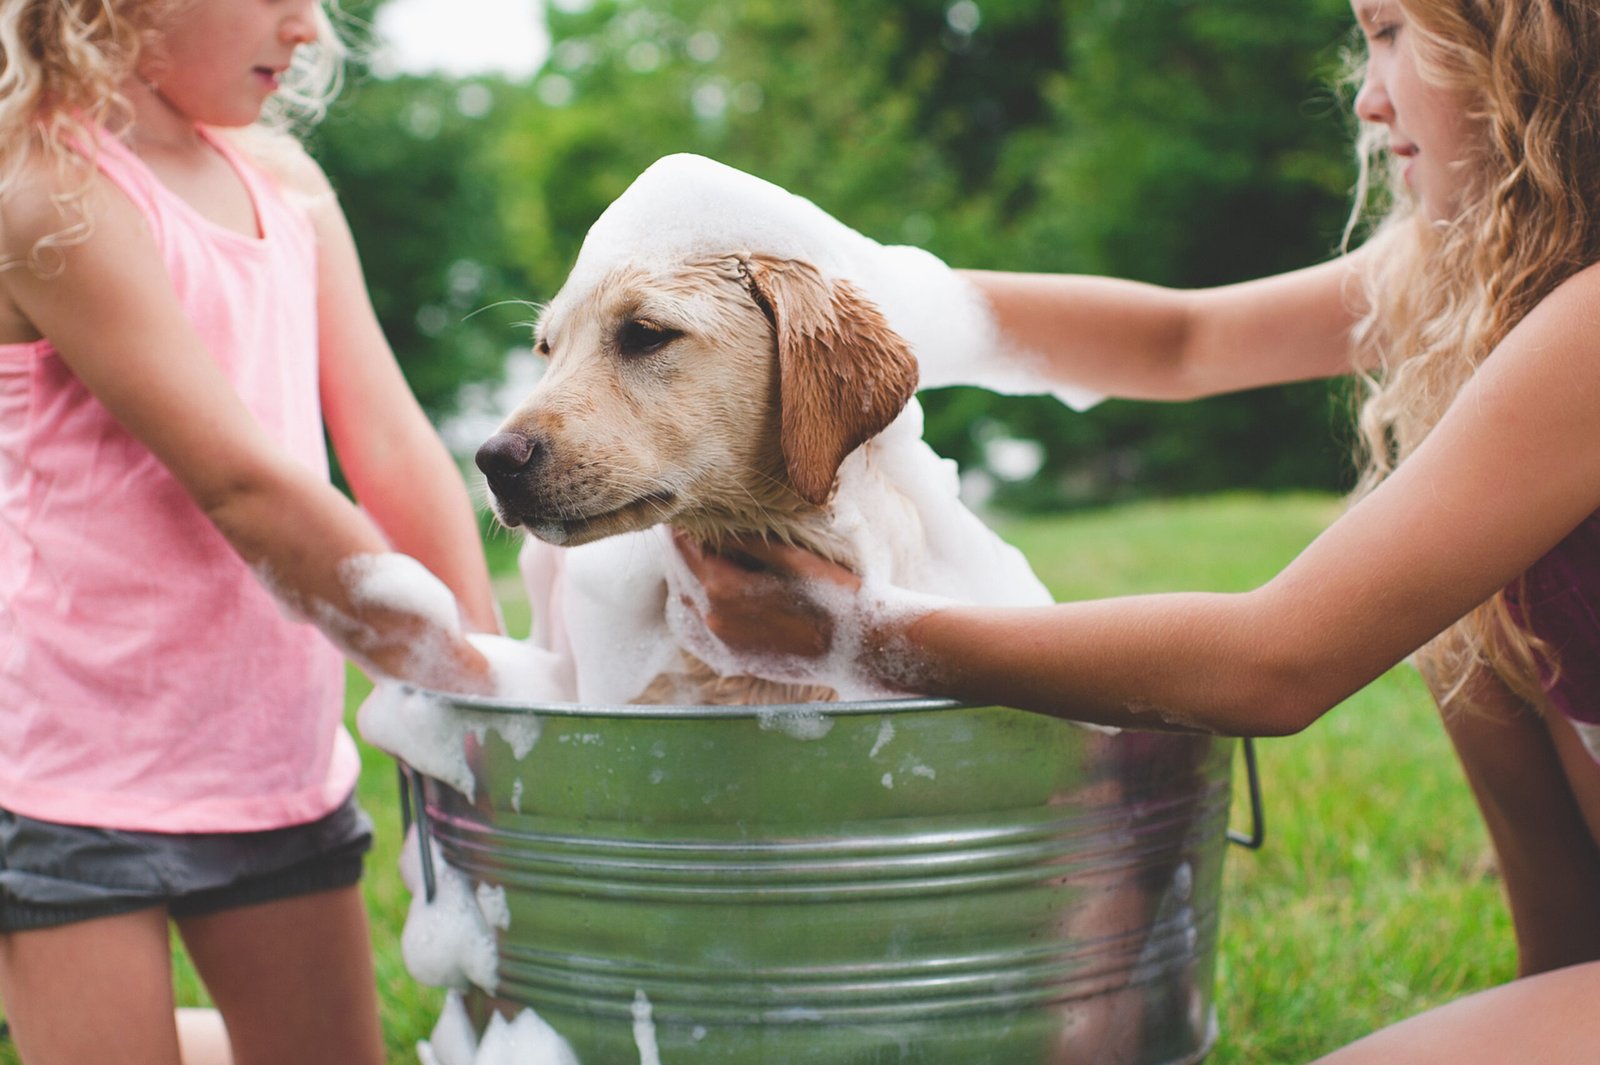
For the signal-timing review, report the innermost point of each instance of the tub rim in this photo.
(697, 711)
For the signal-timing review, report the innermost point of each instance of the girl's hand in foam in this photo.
(397, 645)
(398, 621)
(763, 597)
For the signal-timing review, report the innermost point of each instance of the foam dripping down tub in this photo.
(897, 881)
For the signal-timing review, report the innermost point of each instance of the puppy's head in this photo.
(714, 394)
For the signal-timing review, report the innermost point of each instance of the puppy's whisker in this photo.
(536, 308)
(502, 532)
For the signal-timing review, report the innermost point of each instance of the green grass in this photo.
(1375, 896)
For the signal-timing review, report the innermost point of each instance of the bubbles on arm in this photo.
(399, 622)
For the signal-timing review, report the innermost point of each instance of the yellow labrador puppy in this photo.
(717, 364)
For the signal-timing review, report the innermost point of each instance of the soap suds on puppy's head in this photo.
(687, 207)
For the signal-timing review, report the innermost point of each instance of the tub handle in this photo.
(1258, 824)
(411, 792)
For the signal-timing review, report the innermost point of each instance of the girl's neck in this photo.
(173, 146)
(157, 126)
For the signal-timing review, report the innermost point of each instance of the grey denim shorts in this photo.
(53, 874)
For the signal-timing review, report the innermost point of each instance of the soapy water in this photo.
(453, 1040)
(449, 941)
(493, 905)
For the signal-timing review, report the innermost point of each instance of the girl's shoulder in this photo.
(1573, 306)
(1586, 279)
(43, 200)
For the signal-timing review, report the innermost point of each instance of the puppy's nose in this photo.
(505, 455)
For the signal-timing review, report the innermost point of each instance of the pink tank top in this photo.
(147, 679)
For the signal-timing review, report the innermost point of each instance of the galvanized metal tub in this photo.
(900, 881)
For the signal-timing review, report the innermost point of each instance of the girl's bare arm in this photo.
(114, 317)
(1139, 341)
(393, 459)
(1512, 467)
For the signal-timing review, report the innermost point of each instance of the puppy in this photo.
(722, 383)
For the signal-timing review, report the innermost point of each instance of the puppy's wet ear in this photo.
(843, 374)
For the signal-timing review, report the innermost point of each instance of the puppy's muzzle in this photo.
(507, 459)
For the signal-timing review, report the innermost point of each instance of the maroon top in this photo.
(1563, 608)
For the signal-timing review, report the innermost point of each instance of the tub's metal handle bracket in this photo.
(411, 792)
(1258, 825)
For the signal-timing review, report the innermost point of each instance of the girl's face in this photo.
(218, 61)
(1429, 128)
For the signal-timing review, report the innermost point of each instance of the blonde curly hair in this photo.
(63, 65)
(1452, 290)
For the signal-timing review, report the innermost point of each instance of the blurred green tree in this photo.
(411, 160)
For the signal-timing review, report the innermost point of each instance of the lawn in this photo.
(1375, 895)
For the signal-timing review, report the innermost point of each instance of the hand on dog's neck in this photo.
(790, 519)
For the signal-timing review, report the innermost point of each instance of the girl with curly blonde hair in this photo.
(182, 314)
(1472, 314)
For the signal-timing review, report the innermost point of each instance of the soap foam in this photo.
(446, 942)
(453, 1042)
(397, 582)
(524, 1040)
(885, 734)
(430, 734)
(644, 1030)
(687, 206)
(493, 906)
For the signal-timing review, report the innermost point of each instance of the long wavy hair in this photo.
(1450, 291)
(63, 65)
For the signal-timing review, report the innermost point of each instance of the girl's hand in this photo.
(764, 597)
(399, 621)
(414, 650)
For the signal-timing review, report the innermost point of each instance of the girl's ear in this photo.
(843, 374)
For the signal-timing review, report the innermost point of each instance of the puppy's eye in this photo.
(543, 347)
(641, 338)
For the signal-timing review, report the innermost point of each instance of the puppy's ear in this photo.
(843, 374)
